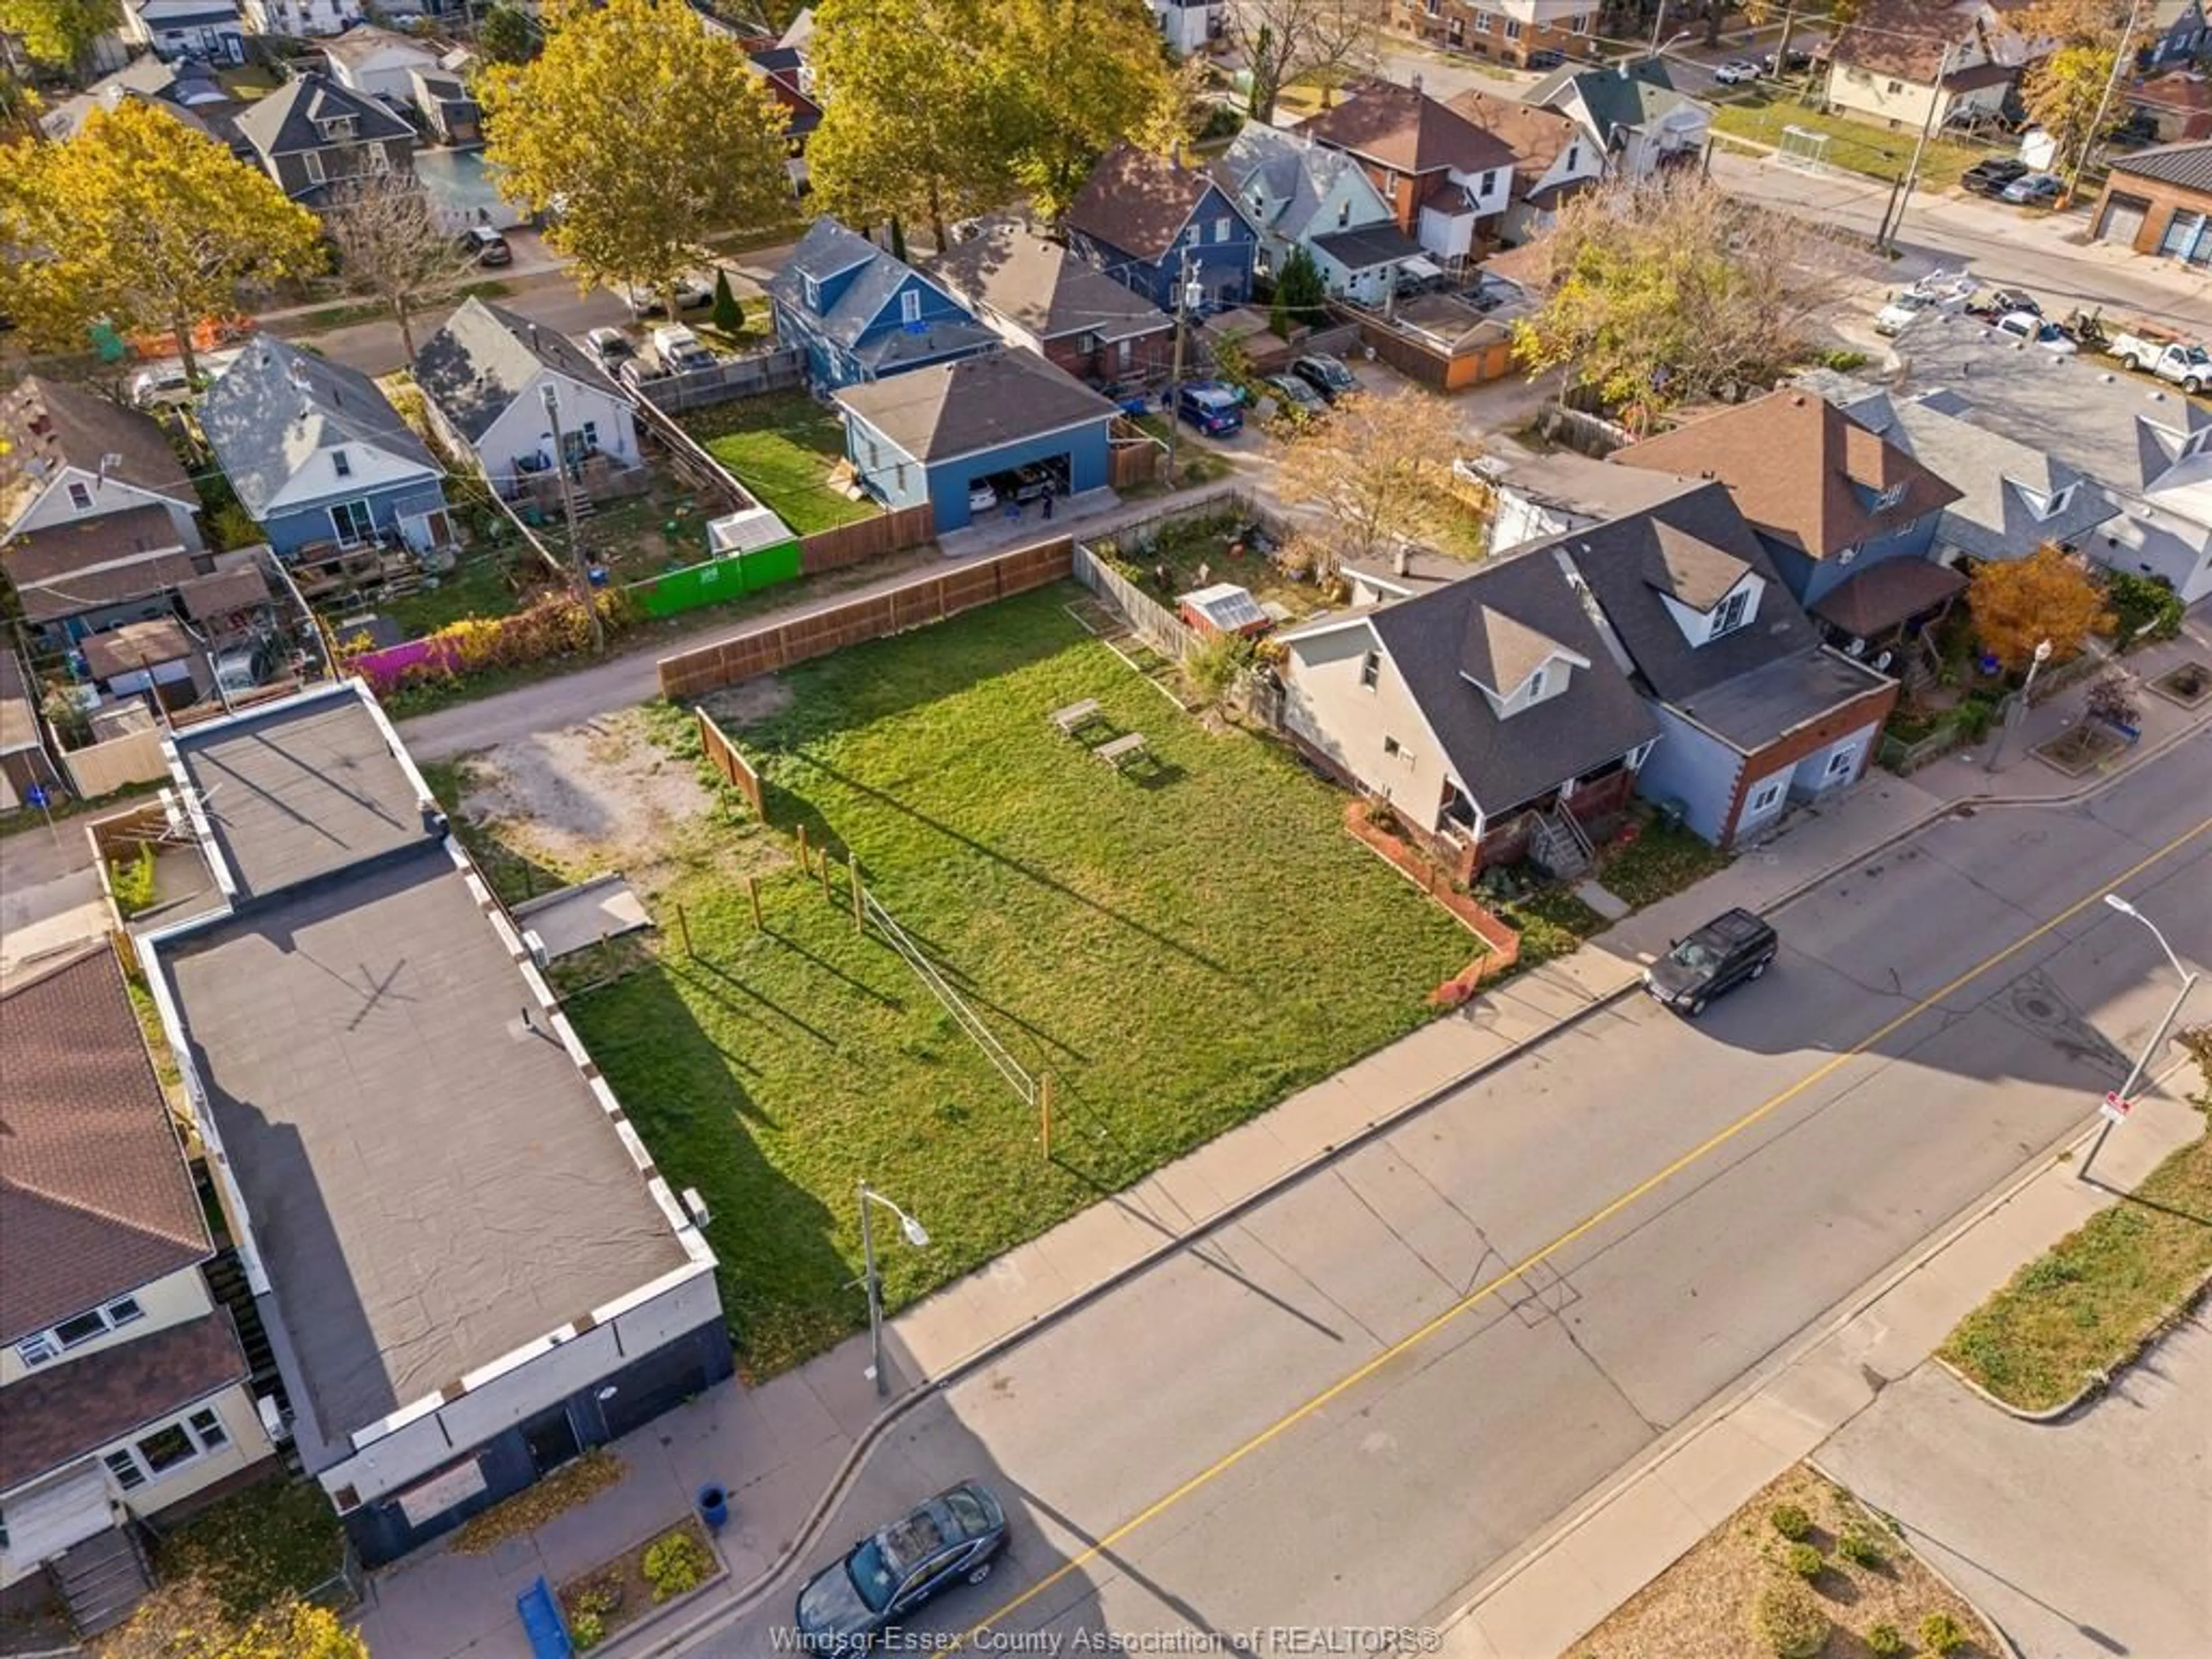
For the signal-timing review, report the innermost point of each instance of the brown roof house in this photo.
(1442, 175)
(25, 760)
(1848, 519)
(122, 1385)
(1895, 58)
(1553, 159)
(1034, 293)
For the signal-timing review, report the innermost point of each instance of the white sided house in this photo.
(67, 456)
(1302, 194)
(377, 63)
(298, 17)
(486, 375)
(207, 30)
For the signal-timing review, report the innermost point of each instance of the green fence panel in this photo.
(717, 580)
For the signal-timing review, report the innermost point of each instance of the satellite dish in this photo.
(1882, 663)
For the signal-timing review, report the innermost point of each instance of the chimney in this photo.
(1401, 559)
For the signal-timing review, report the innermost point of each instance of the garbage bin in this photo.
(715, 1505)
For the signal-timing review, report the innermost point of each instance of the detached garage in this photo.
(967, 436)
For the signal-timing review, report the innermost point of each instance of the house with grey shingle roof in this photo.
(2159, 201)
(1035, 295)
(1486, 710)
(1305, 195)
(316, 455)
(124, 1386)
(858, 313)
(313, 136)
(485, 376)
(1631, 111)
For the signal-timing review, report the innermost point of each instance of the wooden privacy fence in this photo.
(1153, 623)
(866, 539)
(726, 758)
(688, 460)
(726, 382)
(931, 596)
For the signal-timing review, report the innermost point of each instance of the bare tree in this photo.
(1378, 466)
(1666, 290)
(1286, 41)
(392, 245)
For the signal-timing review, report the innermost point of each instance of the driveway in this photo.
(2084, 1539)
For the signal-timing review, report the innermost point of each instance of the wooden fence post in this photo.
(825, 874)
(803, 863)
(1044, 1109)
(752, 892)
(859, 916)
(683, 927)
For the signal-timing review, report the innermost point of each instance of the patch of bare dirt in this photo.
(749, 704)
(596, 797)
(1704, 1606)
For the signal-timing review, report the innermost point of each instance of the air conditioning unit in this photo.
(272, 1419)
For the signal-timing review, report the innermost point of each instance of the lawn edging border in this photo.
(1990, 1626)
(2099, 1385)
(879, 1427)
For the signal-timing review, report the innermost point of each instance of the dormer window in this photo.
(341, 464)
(910, 305)
(813, 291)
(1732, 613)
(337, 129)
(80, 496)
(1534, 690)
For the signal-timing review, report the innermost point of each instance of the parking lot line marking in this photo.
(1597, 1218)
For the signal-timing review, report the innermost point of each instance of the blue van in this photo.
(1213, 409)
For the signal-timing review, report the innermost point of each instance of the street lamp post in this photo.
(917, 1236)
(2157, 1035)
(2016, 710)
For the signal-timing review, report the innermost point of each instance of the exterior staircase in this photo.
(1559, 846)
(226, 1278)
(99, 1580)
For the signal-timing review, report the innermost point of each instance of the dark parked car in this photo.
(1294, 399)
(1325, 374)
(1989, 178)
(1731, 948)
(953, 1538)
(1212, 409)
(2034, 190)
(1796, 60)
(2002, 302)
(1546, 58)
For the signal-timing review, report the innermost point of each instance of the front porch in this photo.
(1557, 831)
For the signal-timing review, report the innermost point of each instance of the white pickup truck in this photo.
(1939, 291)
(2189, 367)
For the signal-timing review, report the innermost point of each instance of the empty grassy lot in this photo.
(1179, 949)
(1856, 146)
(783, 448)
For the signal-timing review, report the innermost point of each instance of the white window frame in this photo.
(1579, 23)
(812, 287)
(1840, 762)
(39, 1346)
(1481, 22)
(1885, 499)
(313, 161)
(1221, 227)
(1640, 753)
(1534, 692)
(1391, 747)
(1513, 29)
(1371, 670)
(338, 528)
(1730, 614)
(80, 495)
(203, 1429)
(1764, 795)
(910, 305)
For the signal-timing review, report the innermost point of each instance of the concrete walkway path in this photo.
(785, 1447)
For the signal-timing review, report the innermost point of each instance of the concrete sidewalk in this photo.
(783, 1448)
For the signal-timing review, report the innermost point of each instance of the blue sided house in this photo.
(1143, 220)
(318, 457)
(859, 314)
(968, 435)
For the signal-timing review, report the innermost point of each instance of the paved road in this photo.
(2056, 1530)
(1324, 1418)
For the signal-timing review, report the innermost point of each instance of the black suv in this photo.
(1989, 178)
(1733, 947)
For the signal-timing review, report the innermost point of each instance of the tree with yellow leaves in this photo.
(60, 33)
(2018, 603)
(185, 1620)
(142, 224)
(1378, 466)
(640, 133)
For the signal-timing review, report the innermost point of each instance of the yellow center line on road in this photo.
(1581, 1228)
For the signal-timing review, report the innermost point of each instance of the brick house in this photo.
(1510, 31)
(2159, 201)
(1447, 180)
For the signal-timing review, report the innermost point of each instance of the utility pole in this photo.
(2157, 1036)
(1886, 241)
(2105, 102)
(1658, 22)
(1175, 373)
(582, 572)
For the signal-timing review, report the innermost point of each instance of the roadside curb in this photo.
(2097, 1386)
(746, 1600)
(1990, 1626)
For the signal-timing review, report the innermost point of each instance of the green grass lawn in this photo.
(1859, 146)
(1661, 862)
(2073, 1313)
(781, 447)
(1179, 950)
(258, 1545)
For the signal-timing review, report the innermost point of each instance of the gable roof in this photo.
(1504, 621)
(1801, 470)
(45, 425)
(94, 1197)
(486, 356)
(1907, 38)
(2188, 166)
(275, 406)
(63, 570)
(1694, 547)
(1628, 95)
(1288, 169)
(1038, 285)
(1991, 519)
(830, 249)
(1367, 247)
(1137, 202)
(950, 410)
(364, 41)
(1405, 129)
(1537, 137)
(286, 121)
